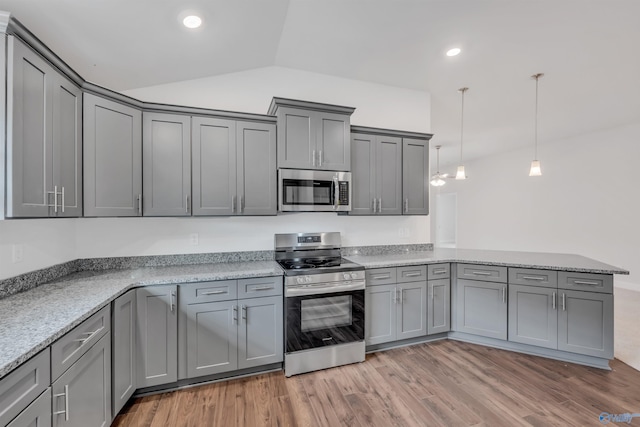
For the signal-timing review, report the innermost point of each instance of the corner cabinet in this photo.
(112, 158)
(233, 167)
(44, 138)
(312, 135)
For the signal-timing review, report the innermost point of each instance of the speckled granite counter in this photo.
(32, 320)
(547, 261)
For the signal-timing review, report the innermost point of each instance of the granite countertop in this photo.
(547, 261)
(32, 320)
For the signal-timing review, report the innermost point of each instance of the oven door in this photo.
(321, 320)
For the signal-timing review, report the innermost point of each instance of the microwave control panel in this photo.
(343, 193)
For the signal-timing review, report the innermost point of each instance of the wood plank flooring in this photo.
(446, 383)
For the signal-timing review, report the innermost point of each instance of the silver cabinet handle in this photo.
(320, 158)
(233, 204)
(172, 304)
(413, 274)
(373, 205)
(186, 204)
(234, 319)
(313, 158)
(532, 278)
(564, 302)
(327, 339)
(504, 294)
(263, 288)
(439, 270)
(381, 276)
(62, 204)
(140, 204)
(379, 204)
(55, 198)
(218, 292)
(406, 205)
(66, 403)
(553, 300)
(584, 282)
(241, 209)
(481, 273)
(90, 335)
(244, 313)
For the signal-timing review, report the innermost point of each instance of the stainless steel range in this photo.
(324, 303)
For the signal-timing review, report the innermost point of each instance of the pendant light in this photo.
(535, 164)
(460, 174)
(437, 179)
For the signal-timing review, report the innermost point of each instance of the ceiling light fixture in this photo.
(535, 164)
(192, 21)
(453, 52)
(460, 173)
(437, 179)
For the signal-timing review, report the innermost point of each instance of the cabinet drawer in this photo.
(380, 276)
(533, 277)
(259, 287)
(438, 271)
(221, 290)
(486, 273)
(590, 282)
(75, 343)
(20, 387)
(37, 414)
(416, 273)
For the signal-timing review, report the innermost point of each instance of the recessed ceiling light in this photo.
(192, 21)
(454, 51)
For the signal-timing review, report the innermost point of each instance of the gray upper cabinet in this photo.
(376, 165)
(533, 315)
(44, 146)
(481, 308)
(256, 168)
(156, 335)
(112, 158)
(124, 349)
(166, 161)
(415, 176)
(312, 135)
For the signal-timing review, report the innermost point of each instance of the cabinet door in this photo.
(363, 170)
(533, 315)
(214, 166)
(257, 170)
(112, 158)
(585, 323)
(439, 307)
(389, 175)
(67, 147)
(212, 334)
(482, 308)
(415, 176)
(380, 314)
(333, 142)
(412, 310)
(37, 414)
(124, 349)
(29, 132)
(157, 335)
(166, 159)
(296, 139)
(82, 395)
(260, 334)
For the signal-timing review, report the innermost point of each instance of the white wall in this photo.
(48, 242)
(586, 202)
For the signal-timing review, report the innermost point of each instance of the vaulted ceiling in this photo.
(586, 48)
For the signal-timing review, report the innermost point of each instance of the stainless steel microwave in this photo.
(313, 191)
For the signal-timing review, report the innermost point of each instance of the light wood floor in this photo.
(444, 383)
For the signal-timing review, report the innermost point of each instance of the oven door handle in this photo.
(323, 288)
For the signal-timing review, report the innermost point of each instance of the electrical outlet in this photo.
(17, 253)
(194, 239)
(403, 232)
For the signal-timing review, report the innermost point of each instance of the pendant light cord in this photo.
(462, 91)
(535, 130)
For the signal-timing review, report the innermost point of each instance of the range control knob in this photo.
(354, 275)
(307, 279)
(346, 276)
(300, 280)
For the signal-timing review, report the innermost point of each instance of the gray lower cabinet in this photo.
(44, 139)
(412, 310)
(156, 335)
(38, 414)
(415, 176)
(481, 308)
(82, 395)
(233, 167)
(112, 158)
(438, 306)
(376, 165)
(380, 314)
(124, 360)
(260, 332)
(533, 315)
(585, 323)
(166, 164)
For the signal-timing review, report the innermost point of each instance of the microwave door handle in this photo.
(336, 192)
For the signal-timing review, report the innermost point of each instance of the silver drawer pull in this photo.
(381, 276)
(584, 282)
(263, 288)
(481, 273)
(327, 339)
(413, 274)
(218, 292)
(532, 278)
(439, 271)
(91, 335)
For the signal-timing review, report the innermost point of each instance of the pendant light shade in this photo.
(535, 169)
(460, 173)
(437, 179)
